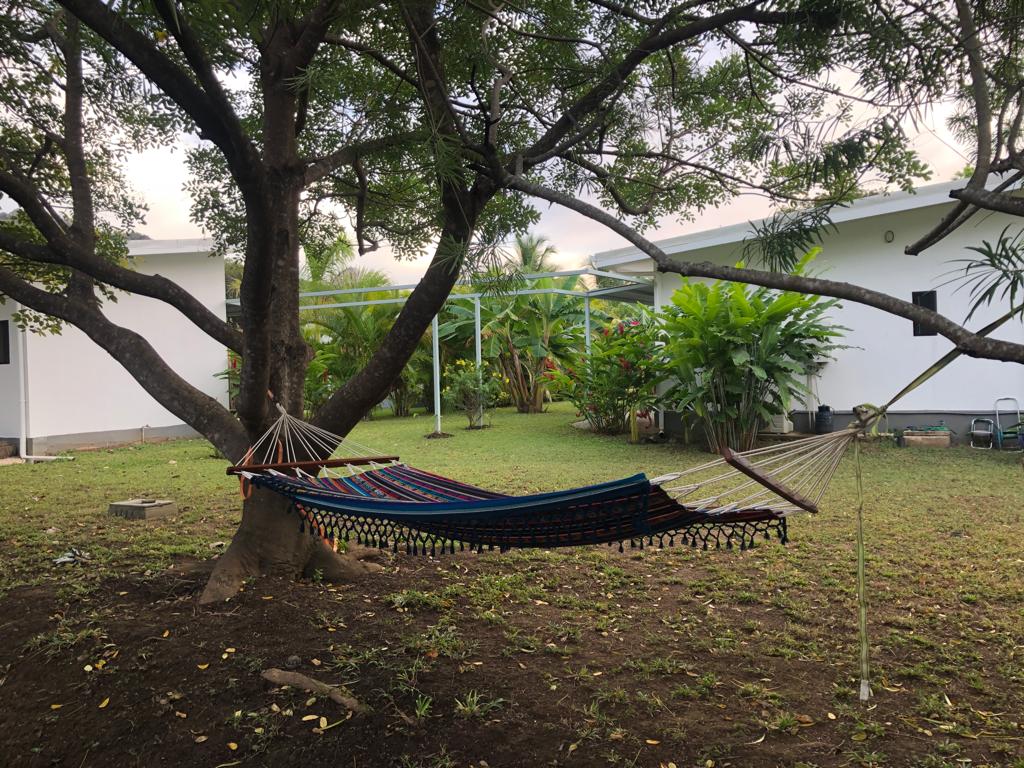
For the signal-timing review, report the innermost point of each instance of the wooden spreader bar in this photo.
(312, 466)
(739, 462)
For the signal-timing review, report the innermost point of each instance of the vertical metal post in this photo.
(435, 343)
(479, 359)
(476, 320)
(586, 323)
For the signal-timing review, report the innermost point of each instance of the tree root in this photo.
(335, 693)
(335, 567)
(269, 542)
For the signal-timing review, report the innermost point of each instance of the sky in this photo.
(158, 177)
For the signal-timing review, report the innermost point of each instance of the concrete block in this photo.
(926, 439)
(143, 509)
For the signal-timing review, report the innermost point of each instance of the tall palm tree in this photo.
(344, 338)
(523, 335)
(532, 254)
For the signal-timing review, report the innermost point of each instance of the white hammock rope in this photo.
(803, 466)
(290, 439)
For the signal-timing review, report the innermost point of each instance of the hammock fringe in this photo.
(389, 535)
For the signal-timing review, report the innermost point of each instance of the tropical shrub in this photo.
(344, 338)
(618, 380)
(738, 354)
(470, 389)
(523, 336)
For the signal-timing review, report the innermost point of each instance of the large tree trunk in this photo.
(269, 543)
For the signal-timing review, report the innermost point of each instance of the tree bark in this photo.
(268, 543)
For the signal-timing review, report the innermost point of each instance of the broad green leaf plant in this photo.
(739, 355)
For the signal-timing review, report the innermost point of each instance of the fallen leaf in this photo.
(267, 597)
(315, 662)
(232, 746)
(56, 706)
(229, 650)
(652, 742)
(311, 701)
(859, 737)
(323, 722)
(201, 739)
(573, 747)
(121, 594)
(257, 731)
(758, 741)
(805, 720)
(306, 718)
(182, 715)
(167, 633)
(203, 666)
(103, 704)
(87, 668)
(831, 715)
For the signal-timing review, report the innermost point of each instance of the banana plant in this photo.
(739, 354)
(523, 335)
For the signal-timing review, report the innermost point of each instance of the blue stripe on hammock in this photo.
(479, 509)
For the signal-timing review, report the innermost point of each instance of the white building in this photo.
(63, 391)
(866, 248)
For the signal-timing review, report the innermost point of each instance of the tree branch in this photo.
(657, 39)
(62, 250)
(153, 286)
(372, 53)
(194, 407)
(319, 167)
(222, 128)
(990, 201)
(968, 342)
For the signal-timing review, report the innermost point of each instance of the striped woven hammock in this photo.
(732, 501)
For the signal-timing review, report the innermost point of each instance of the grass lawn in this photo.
(573, 658)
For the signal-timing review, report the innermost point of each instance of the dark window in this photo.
(928, 300)
(5, 342)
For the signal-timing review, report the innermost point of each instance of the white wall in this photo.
(75, 387)
(890, 356)
(10, 417)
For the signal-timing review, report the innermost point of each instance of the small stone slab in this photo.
(926, 439)
(143, 509)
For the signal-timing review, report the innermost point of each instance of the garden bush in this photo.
(470, 389)
(738, 354)
(619, 379)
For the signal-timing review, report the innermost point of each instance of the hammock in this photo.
(730, 501)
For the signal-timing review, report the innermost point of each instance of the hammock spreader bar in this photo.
(737, 461)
